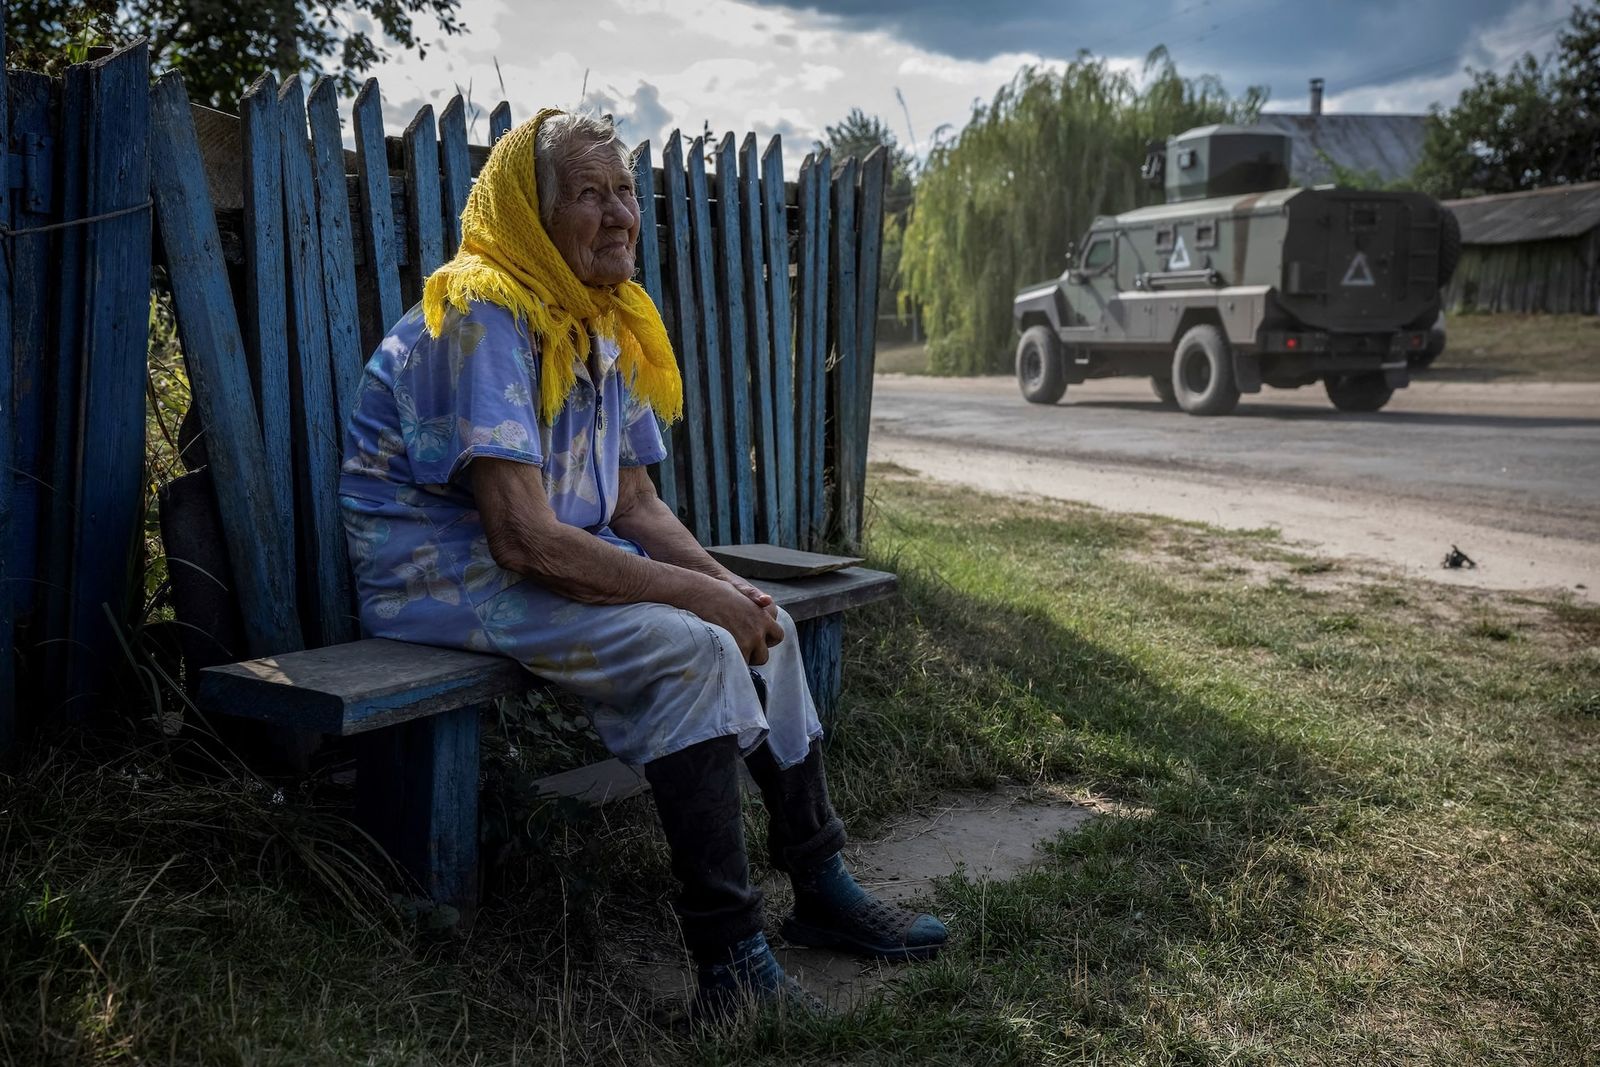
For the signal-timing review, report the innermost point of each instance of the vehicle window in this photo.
(1099, 255)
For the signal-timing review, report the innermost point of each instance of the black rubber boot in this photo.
(697, 797)
(802, 829)
(831, 910)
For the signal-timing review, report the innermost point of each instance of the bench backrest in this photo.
(768, 290)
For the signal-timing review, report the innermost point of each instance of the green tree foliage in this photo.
(1536, 124)
(996, 207)
(221, 46)
(857, 136)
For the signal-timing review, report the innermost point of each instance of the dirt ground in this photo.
(1505, 471)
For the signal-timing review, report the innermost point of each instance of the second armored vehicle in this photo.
(1238, 281)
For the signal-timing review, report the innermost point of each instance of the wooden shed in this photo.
(1534, 251)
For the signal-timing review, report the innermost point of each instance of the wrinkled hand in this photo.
(754, 625)
(760, 599)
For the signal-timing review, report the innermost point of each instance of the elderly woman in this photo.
(496, 498)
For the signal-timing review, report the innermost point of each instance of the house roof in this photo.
(1391, 145)
(1551, 213)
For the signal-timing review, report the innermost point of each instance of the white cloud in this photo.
(656, 65)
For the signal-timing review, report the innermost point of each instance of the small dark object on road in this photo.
(1455, 559)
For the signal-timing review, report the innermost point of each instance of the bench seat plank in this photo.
(359, 686)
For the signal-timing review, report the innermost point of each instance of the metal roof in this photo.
(1551, 213)
(1391, 145)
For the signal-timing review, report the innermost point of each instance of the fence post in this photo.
(776, 236)
(116, 317)
(708, 317)
(316, 431)
(265, 324)
(732, 298)
(644, 181)
(875, 174)
(8, 532)
(680, 274)
(338, 251)
(760, 343)
(499, 121)
(816, 494)
(383, 309)
(842, 316)
(214, 354)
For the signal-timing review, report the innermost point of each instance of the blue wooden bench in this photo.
(769, 294)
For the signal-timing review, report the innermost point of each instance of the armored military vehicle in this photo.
(1239, 281)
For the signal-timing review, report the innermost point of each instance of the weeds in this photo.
(1347, 829)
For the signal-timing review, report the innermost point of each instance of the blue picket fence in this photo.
(73, 319)
(287, 257)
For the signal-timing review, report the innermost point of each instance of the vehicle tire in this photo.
(1039, 366)
(1358, 392)
(1163, 388)
(1449, 245)
(1202, 372)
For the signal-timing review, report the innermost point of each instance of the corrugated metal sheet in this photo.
(1390, 145)
(1551, 213)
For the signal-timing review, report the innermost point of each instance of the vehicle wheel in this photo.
(1163, 388)
(1358, 392)
(1449, 245)
(1202, 372)
(1039, 371)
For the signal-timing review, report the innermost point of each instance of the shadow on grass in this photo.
(948, 690)
(229, 924)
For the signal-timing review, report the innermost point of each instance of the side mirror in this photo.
(1075, 277)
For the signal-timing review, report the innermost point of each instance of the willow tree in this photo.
(996, 206)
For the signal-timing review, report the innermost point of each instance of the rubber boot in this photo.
(831, 909)
(697, 797)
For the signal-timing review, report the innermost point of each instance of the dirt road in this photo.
(1509, 472)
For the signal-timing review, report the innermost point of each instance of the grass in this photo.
(1351, 825)
(1515, 347)
(1509, 347)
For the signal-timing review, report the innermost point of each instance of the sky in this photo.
(792, 69)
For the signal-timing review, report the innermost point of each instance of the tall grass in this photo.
(996, 206)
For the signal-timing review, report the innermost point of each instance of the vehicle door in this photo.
(1092, 288)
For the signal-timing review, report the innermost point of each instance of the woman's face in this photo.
(595, 224)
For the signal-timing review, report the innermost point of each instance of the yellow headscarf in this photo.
(507, 258)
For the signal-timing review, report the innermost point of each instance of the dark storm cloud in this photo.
(1279, 43)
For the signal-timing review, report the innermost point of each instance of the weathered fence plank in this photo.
(326, 596)
(382, 308)
(338, 252)
(680, 279)
(816, 494)
(456, 164)
(775, 233)
(842, 304)
(33, 283)
(61, 519)
(9, 727)
(754, 266)
(715, 371)
(735, 314)
(218, 374)
(805, 344)
(499, 121)
(115, 317)
(644, 181)
(264, 324)
(875, 172)
(424, 226)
